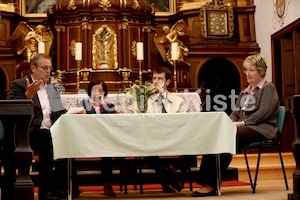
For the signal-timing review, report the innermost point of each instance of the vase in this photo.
(142, 105)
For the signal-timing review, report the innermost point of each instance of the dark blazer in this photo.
(17, 91)
(108, 108)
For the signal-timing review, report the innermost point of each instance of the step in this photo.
(269, 169)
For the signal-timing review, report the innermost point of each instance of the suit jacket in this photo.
(17, 91)
(174, 104)
(108, 108)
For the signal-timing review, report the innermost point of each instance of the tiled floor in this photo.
(266, 190)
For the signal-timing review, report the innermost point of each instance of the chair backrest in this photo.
(1, 130)
(281, 117)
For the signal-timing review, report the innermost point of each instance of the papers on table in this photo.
(74, 110)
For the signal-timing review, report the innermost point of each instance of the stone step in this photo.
(269, 168)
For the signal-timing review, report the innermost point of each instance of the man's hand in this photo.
(31, 89)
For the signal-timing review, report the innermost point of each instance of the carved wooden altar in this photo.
(109, 31)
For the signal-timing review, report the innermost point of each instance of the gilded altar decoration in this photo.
(133, 48)
(104, 4)
(71, 5)
(125, 75)
(136, 5)
(73, 47)
(104, 48)
(172, 35)
(217, 21)
(32, 38)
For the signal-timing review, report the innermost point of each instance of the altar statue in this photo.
(172, 35)
(32, 38)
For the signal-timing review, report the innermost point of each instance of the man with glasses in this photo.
(47, 109)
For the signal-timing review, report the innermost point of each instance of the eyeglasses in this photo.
(249, 71)
(45, 68)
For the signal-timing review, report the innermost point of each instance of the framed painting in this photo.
(35, 8)
(164, 7)
(216, 21)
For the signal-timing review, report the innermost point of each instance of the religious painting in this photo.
(164, 7)
(36, 8)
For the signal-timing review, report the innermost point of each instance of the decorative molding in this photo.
(71, 5)
(125, 75)
(104, 4)
(123, 25)
(72, 48)
(133, 48)
(86, 25)
(50, 9)
(59, 28)
(148, 28)
(136, 5)
(280, 11)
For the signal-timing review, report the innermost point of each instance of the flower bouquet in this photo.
(141, 93)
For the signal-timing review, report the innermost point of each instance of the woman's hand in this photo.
(238, 124)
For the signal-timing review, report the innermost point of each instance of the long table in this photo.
(140, 135)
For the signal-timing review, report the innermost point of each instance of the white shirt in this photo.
(45, 105)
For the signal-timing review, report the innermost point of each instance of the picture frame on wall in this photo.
(164, 7)
(36, 8)
(216, 21)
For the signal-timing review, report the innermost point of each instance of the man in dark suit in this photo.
(47, 109)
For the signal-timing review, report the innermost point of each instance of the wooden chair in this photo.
(265, 145)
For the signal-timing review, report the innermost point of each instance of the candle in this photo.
(78, 51)
(174, 51)
(139, 51)
(41, 47)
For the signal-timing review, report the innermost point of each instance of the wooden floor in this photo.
(266, 190)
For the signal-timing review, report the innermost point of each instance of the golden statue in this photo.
(171, 35)
(32, 38)
(104, 48)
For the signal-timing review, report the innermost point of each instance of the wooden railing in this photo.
(16, 116)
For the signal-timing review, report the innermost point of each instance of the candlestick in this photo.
(139, 51)
(140, 71)
(78, 74)
(41, 47)
(174, 51)
(78, 51)
(175, 77)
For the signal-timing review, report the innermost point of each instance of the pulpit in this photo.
(16, 116)
(292, 105)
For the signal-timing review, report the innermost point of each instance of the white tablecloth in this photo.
(191, 99)
(121, 135)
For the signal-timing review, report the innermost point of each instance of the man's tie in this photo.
(163, 109)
